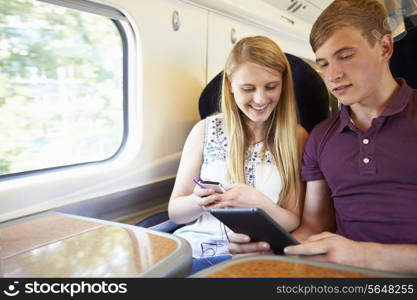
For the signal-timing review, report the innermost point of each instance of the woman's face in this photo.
(256, 90)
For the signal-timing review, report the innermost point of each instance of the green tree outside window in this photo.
(61, 86)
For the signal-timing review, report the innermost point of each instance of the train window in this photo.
(62, 97)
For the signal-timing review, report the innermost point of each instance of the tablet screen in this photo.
(257, 224)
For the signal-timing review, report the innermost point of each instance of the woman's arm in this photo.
(187, 202)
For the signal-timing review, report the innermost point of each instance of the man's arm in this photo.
(318, 213)
(330, 247)
(391, 258)
(322, 245)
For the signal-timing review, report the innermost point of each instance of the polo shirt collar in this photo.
(400, 100)
(344, 118)
(396, 105)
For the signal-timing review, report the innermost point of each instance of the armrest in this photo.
(167, 226)
(159, 221)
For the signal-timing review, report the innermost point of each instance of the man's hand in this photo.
(330, 247)
(240, 244)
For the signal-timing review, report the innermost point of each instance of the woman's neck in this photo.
(256, 134)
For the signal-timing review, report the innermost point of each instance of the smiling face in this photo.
(352, 69)
(256, 91)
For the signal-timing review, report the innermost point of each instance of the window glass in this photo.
(61, 86)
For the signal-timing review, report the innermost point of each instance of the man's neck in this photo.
(363, 112)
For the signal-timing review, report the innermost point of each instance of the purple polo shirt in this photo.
(372, 175)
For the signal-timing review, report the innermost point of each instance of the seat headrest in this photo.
(403, 62)
(209, 102)
(310, 92)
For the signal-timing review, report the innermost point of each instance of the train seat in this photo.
(313, 106)
(403, 62)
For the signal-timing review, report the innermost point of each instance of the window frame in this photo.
(124, 28)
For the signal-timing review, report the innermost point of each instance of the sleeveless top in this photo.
(207, 235)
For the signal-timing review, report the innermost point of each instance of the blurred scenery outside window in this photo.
(61, 86)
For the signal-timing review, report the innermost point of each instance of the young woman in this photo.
(253, 148)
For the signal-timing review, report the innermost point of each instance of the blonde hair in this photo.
(281, 127)
(369, 16)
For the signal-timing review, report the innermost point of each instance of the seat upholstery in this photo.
(403, 62)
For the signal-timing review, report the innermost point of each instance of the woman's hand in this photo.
(205, 198)
(240, 195)
(241, 244)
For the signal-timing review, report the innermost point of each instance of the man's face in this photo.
(352, 69)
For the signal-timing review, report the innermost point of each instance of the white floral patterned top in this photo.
(207, 235)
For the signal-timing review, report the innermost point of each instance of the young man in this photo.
(364, 158)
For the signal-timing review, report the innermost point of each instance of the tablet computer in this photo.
(257, 224)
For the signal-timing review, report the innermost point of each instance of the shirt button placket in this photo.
(367, 165)
(365, 142)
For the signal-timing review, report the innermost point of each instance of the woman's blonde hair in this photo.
(369, 16)
(281, 127)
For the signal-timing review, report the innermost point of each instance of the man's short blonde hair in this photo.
(369, 16)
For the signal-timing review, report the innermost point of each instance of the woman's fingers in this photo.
(240, 244)
(208, 201)
(255, 247)
(238, 238)
(200, 192)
